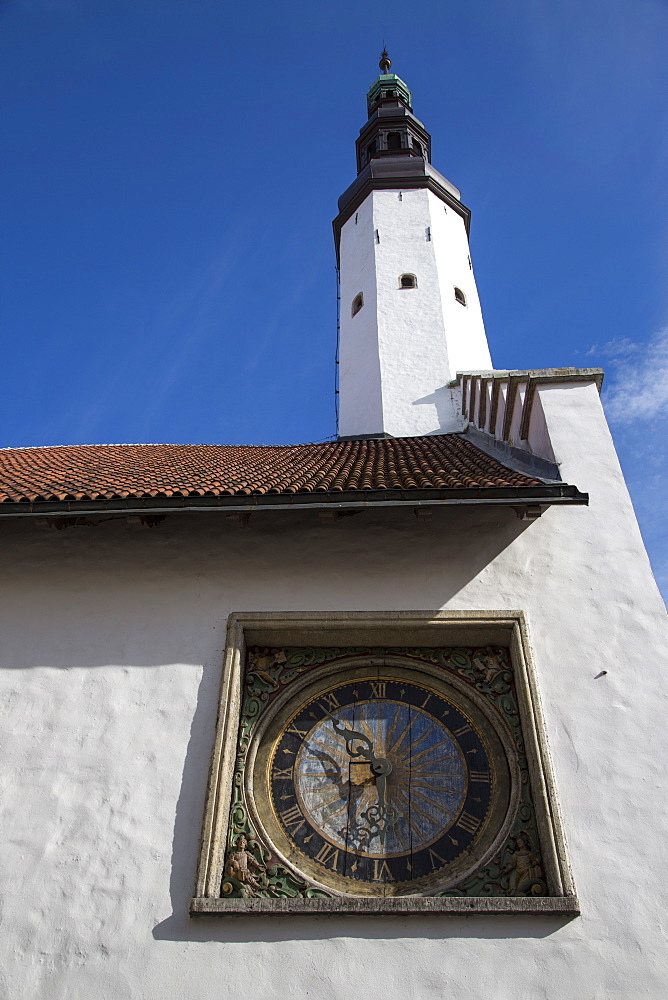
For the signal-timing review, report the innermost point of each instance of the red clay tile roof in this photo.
(106, 472)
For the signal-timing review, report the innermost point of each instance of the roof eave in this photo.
(544, 495)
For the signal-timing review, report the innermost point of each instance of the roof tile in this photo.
(86, 472)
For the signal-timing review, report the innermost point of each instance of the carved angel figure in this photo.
(523, 865)
(489, 666)
(262, 658)
(239, 864)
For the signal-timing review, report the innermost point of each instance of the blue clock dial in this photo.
(381, 780)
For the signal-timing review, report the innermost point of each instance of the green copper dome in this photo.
(387, 85)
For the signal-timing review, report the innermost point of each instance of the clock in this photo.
(352, 777)
(378, 776)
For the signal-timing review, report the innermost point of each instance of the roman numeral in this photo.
(330, 700)
(436, 860)
(462, 730)
(468, 823)
(479, 776)
(378, 688)
(328, 856)
(282, 772)
(381, 869)
(294, 730)
(292, 819)
(424, 703)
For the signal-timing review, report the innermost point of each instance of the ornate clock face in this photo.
(381, 781)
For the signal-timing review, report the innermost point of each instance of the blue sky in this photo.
(171, 170)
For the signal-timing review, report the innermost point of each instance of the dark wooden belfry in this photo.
(392, 130)
(393, 153)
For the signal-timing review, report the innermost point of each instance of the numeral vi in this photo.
(381, 869)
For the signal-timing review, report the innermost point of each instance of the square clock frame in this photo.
(381, 762)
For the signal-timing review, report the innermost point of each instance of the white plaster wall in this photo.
(111, 655)
(539, 441)
(410, 342)
(468, 349)
(360, 397)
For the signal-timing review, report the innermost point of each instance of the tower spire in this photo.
(410, 314)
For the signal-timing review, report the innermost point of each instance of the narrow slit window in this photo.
(407, 281)
(358, 302)
(459, 295)
(394, 140)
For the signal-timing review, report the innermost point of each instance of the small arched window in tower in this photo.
(371, 151)
(358, 302)
(417, 148)
(394, 140)
(407, 281)
(459, 295)
(389, 93)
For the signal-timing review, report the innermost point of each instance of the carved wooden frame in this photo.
(407, 628)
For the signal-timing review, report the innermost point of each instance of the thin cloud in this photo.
(640, 384)
(621, 347)
(636, 403)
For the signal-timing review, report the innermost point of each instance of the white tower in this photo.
(410, 313)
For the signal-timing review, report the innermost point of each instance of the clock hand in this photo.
(359, 745)
(381, 818)
(380, 788)
(351, 737)
(379, 765)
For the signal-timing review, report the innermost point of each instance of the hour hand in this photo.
(357, 744)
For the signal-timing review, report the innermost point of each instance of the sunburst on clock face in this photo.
(380, 783)
(339, 777)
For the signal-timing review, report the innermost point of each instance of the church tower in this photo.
(441, 732)
(410, 312)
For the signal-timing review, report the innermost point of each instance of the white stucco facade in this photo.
(399, 351)
(112, 645)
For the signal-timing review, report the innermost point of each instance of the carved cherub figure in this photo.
(261, 660)
(258, 658)
(524, 866)
(239, 864)
(490, 665)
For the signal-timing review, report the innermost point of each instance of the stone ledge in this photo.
(474, 387)
(450, 905)
(544, 374)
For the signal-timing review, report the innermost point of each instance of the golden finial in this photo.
(385, 62)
